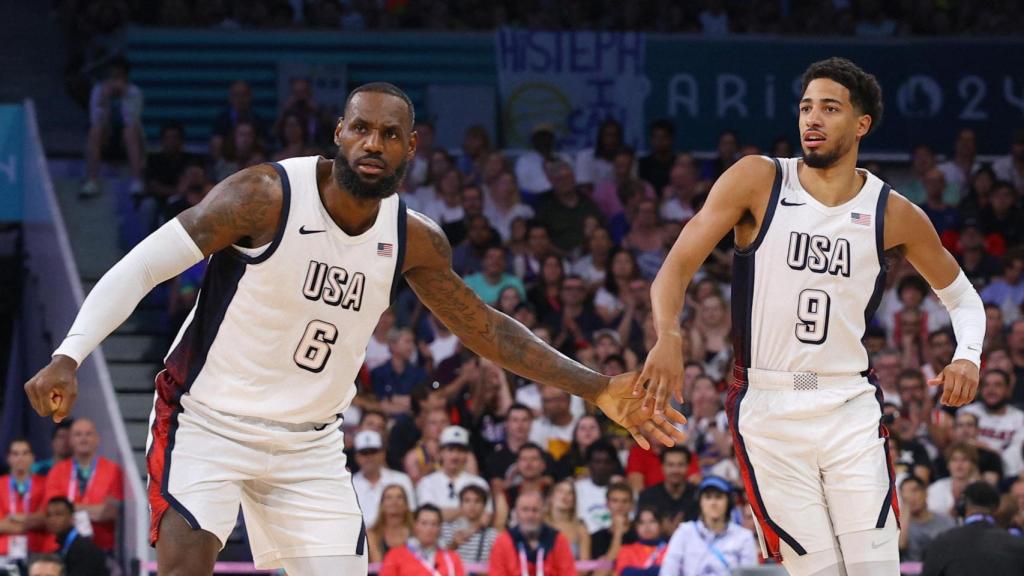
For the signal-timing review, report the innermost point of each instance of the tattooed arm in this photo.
(243, 209)
(494, 335)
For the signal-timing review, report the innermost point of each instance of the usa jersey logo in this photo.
(384, 249)
(860, 218)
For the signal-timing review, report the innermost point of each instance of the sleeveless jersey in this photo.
(280, 332)
(804, 291)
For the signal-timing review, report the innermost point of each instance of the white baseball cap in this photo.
(455, 435)
(368, 440)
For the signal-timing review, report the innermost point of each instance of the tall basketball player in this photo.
(808, 273)
(305, 256)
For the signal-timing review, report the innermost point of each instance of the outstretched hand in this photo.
(624, 402)
(662, 373)
(959, 383)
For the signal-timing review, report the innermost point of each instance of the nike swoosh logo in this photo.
(302, 230)
(876, 545)
(974, 347)
(785, 203)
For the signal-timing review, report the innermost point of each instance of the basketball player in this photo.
(808, 273)
(305, 255)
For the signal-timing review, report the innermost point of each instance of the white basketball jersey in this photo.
(280, 332)
(805, 289)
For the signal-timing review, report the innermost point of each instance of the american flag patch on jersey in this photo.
(860, 218)
(384, 249)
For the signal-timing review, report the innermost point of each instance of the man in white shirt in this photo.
(373, 476)
(530, 166)
(1000, 426)
(592, 493)
(553, 431)
(1011, 168)
(964, 163)
(442, 488)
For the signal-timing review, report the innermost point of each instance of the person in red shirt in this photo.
(22, 506)
(519, 550)
(422, 556)
(94, 484)
(643, 557)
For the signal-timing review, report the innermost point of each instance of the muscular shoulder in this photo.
(750, 177)
(244, 207)
(903, 220)
(426, 243)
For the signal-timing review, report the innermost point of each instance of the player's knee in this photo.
(872, 552)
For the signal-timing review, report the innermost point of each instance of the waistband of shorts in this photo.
(270, 425)
(775, 380)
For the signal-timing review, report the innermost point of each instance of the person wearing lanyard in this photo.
(92, 483)
(710, 545)
(21, 503)
(531, 548)
(421, 556)
(643, 557)
(80, 554)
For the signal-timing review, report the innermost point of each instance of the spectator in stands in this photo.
(191, 188)
(492, 279)
(546, 291)
(1002, 218)
(592, 492)
(943, 216)
(886, 365)
(425, 457)
(962, 460)
(553, 430)
(714, 18)
(565, 209)
(393, 527)
(980, 194)
(293, 138)
(373, 476)
(442, 488)
(472, 199)
(922, 160)
(691, 550)
(494, 166)
(1000, 425)
(439, 163)
(617, 525)
(979, 546)
(421, 555)
(531, 166)
(995, 333)
(939, 352)
(593, 265)
(115, 108)
(709, 337)
(610, 299)
(92, 483)
(469, 535)
(377, 351)
(595, 165)
(1015, 344)
(504, 205)
(656, 166)
(241, 150)
(238, 109)
(476, 148)
(533, 542)
(573, 464)
(530, 474)
(46, 565)
(683, 186)
(393, 381)
(1010, 168)
(60, 447)
(165, 168)
(979, 266)
(964, 163)
(918, 525)
(22, 505)
(645, 556)
(728, 152)
(675, 498)
(526, 264)
(560, 514)
(990, 462)
(419, 170)
(81, 555)
(709, 427)
(316, 119)
(446, 205)
(517, 434)
(1007, 290)
(616, 195)
(645, 238)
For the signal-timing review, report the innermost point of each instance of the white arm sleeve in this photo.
(161, 256)
(967, 314)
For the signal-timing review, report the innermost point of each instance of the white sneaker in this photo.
(90, 189)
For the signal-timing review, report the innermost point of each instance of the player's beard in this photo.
(815, 159)
(348, 179)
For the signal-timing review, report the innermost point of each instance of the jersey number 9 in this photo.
(812, 311)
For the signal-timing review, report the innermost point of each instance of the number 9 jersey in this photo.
(279, 332)
(805, 289)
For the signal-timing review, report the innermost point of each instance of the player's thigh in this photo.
(855, 468)
(305, 506)
(777, 454)
(182, 551)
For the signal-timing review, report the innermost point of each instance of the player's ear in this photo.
(414, 142)
(863, 125)
(337, 130)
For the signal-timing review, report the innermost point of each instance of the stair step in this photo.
(135, 407)
(133, 377)
(139, 348)
(137, 433)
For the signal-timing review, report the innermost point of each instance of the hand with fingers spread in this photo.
(959, 383)
(663, 373)
(53, 390)
(625, 404)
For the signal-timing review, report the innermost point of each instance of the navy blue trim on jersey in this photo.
(783, 535)
(286, 203)
(883, 514)
(876, 294)
(396, 280)
(769, 211)
(362, 538)
(742, 307)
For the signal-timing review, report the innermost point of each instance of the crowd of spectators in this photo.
(444, 445)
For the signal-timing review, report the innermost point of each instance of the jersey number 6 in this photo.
(812, 310)
(315, 347)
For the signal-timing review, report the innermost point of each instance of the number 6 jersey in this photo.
(279, 332)
(805, 289)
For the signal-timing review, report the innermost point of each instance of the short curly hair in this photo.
(865, 93)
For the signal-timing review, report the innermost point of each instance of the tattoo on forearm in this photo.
(494, 335)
